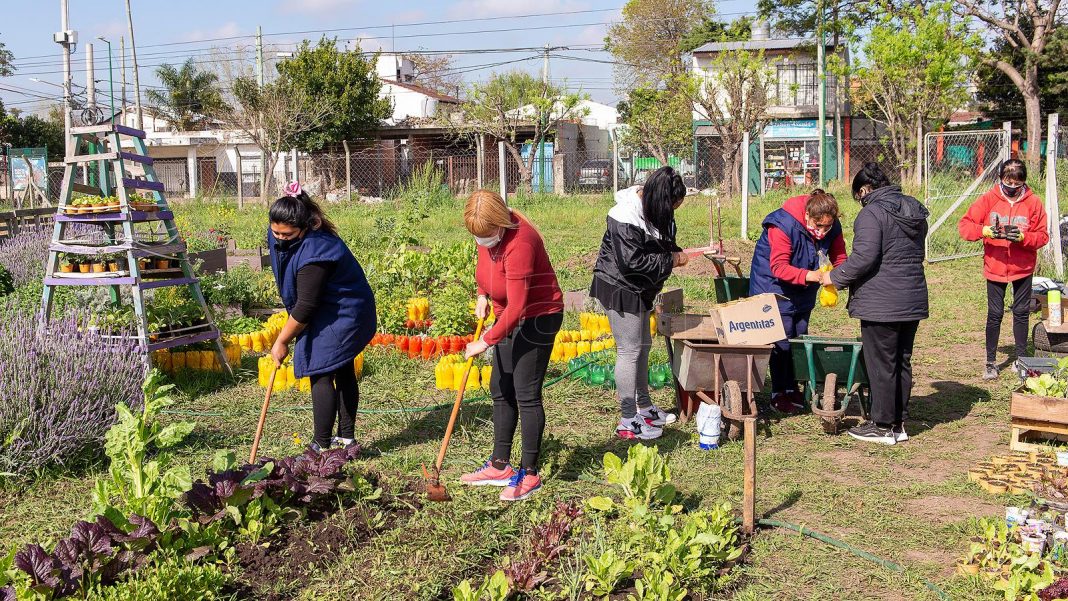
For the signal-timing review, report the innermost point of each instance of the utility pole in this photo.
(821, 65)
(63, 38)
(122, 54)
(136, 79)
(545, 120)
(90, 78)
(259, 56)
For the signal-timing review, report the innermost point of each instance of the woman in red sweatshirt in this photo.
(1011, 221)
(786, 262)
(514, 273)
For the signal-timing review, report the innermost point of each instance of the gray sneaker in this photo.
(991, 372)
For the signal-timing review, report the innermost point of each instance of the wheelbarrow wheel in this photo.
(830, 385)
(732, 404)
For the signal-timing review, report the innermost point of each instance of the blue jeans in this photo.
(781, 364)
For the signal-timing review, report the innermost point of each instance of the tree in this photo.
(1007, 20)
(998, 96)
(801, 17)
(188, 96)
(344, 80)
(916, 65)
(712, 30)
(6, 68)
(647, 43)
(437, 72)
(274, 116)
(732, 94)
(511, 104)
(658, 121)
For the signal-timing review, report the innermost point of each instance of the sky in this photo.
(513, 31)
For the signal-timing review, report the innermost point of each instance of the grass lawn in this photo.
(908, 503)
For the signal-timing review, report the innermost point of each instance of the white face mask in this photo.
(489, 242)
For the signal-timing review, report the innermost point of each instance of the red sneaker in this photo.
(521, 486)
(784, 403)
(487, 475)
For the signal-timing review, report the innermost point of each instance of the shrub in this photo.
(23, 256)
(242, 286)
(59, 386)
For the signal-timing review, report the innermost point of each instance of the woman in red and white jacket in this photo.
(1011, 221)
(514, 273)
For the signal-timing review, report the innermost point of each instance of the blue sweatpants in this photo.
(781, 365)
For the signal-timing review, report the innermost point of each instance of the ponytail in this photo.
(298, 210)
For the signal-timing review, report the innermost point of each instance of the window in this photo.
(796, 85)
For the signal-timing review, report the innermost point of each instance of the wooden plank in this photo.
(142, 184)
(211, 334)
(1017, 442)
(1040, 425)
(90, 129)
(137, 158)
(686, 326)
(164, 283)
(669, 301)
(88, 158)
(1039, 409)
(86, 189)
(129, 131)
(105, 281)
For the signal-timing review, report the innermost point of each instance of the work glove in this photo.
(994, 233)
(1013, 233)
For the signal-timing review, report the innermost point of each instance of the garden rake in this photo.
(263, 414)
(435, 490)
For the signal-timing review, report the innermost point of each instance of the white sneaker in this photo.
(340, 443)
(900, 435)
(656, 417)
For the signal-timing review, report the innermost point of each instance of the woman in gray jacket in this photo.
(888, 294)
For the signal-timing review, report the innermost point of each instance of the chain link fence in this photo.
(958, 168)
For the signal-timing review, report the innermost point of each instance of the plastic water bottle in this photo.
(1055, 316)
(709, 420)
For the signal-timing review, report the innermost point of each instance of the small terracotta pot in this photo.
(113, 266)
(162, 263)
(66, 268)
(968, 569)
(83, 268)
(98, 267)
(997, 487)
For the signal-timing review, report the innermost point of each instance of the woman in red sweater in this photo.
(1011, 222)
(514, 273)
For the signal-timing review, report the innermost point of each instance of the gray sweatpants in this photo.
(633, 341)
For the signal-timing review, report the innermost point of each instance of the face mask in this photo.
(1011, 191)
(489, 242)
(287, 245)
(816, 233)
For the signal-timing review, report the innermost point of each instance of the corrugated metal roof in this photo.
(756, 45)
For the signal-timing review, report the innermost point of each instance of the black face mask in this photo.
(287, 245)
(1010, 192)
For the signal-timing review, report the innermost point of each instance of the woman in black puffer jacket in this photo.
(888, 294)
(638, 252)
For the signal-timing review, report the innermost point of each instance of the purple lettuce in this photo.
(58, 388)
(24, 255)
(95, 552)
(300, 479)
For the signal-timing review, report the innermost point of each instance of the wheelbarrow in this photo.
(727, 375)
(835, 363)
(728, 287)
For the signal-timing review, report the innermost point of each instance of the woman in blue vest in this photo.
(786, 262)
(331, 311)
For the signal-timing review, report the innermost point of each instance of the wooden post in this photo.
(749, 492)
(348, 171)
(480, 160)
(745, 185)
(503, 170)
(1053, 221)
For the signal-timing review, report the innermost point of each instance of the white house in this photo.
(411, 102)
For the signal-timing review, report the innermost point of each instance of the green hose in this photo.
(587, 359)
(893, 567)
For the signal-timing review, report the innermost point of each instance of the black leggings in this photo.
(519, 364)
(995, 308)
(335, 395)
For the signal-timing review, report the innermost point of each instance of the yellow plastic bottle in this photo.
(446, 375)
(828, 294)
(487, 371)
(458, 370)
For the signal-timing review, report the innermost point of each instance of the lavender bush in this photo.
(24, 255)
(58, 390)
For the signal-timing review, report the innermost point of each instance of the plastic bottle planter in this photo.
(604, 375)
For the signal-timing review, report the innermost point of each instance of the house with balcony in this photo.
(787, 152)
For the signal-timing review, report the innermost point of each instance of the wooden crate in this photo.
(1037, 417)
(670, 300)
(686, 326)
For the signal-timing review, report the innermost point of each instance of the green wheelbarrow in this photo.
(834, 363)
(728, 287)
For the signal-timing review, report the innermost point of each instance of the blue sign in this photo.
(793, 128)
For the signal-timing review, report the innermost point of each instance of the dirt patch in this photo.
(947, 510)
(847, 466)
